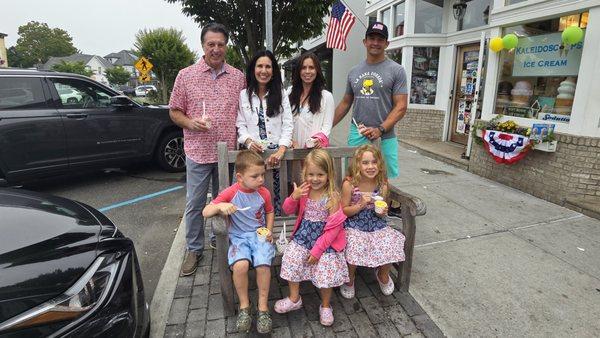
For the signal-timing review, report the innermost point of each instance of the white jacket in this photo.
(279, 128)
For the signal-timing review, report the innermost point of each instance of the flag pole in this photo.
(269, 24)
(357, 17)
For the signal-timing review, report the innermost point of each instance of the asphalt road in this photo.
(150, 222)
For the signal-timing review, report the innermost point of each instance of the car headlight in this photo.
(79, 299)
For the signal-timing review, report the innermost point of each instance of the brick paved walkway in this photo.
(197, 310)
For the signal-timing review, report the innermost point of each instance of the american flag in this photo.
(340, 23)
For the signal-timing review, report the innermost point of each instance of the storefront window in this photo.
(476, 14)
(395, 55)
(538, 78)
(372, 19)
(385, 17)
(399, 19)
(424, 75)
(428, 16)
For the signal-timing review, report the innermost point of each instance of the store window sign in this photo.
(541, 55)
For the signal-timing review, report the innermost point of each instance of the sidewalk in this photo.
(489, 261)
(493, 261)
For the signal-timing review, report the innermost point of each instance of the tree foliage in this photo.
(234, 59)
(37, 43)
(77, 67)
(168, 53)
(117, 75)
(293, 21)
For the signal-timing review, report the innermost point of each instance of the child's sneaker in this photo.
(326, 316)
(347, 291)
(286, 305)
(244, 320)
(387, 288)
(263, 322)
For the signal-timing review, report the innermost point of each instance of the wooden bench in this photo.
(411, 207)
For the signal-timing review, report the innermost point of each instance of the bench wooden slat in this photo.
(283, 180)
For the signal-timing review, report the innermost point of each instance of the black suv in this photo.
(54, 123)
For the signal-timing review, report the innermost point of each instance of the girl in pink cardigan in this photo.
(316, 251)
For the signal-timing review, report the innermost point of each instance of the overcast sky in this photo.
(98, 27)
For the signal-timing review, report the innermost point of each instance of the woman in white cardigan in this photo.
(312, 105)
(264, 118)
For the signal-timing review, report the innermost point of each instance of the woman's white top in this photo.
(307, 124)
(279, 128)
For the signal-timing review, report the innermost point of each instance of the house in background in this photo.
(3, 58)
(127, 60)
(97, 64)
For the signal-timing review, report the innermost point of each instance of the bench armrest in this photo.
(219, 224)
(415, 205)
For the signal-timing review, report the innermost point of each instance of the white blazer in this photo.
(279, 128)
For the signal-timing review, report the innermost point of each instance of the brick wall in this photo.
(573, 171)
(421, 123)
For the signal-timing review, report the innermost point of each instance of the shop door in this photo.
(463, 105)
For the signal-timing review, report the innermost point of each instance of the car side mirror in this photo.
(121, 102)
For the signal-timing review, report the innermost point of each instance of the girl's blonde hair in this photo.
(322, 160)
(354, 175)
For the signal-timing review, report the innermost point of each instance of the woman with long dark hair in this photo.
(312, 105)
(264, 118)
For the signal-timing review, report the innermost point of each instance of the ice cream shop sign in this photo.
(545, 55)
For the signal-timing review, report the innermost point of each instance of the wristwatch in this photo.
(381, 129)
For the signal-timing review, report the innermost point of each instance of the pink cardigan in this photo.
(333, 232)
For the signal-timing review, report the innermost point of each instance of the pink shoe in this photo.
(286, 305)
(387, 288)
(326, 316)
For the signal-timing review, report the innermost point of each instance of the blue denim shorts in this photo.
(246, 246)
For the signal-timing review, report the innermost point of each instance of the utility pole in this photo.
(269, 24)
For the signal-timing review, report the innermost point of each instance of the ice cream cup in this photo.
(207, 122)
(380, 207)
(262, 234)
(361, 128)
(281, 245)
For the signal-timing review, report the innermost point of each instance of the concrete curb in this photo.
(165, 289)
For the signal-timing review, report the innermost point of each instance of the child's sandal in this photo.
(286, 305)
(326, 316)
(244, 320)
(347, 291)
(263, 322)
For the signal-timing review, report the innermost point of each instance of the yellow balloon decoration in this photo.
(496, 44)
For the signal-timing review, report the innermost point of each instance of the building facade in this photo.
(455, 79)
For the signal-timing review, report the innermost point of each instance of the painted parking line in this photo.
(141, 198)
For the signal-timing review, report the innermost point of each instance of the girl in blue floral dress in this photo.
(316, 251)
(371, 242)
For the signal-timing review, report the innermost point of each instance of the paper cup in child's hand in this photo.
(380, 207)
(262, 234)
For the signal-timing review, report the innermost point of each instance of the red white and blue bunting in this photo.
(504, 147)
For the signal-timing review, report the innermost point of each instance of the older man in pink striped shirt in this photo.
(204, 103)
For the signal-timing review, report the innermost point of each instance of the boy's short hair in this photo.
(247, 158)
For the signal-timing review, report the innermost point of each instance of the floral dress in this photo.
(371, 242)
(331, 269)
(276, 184)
